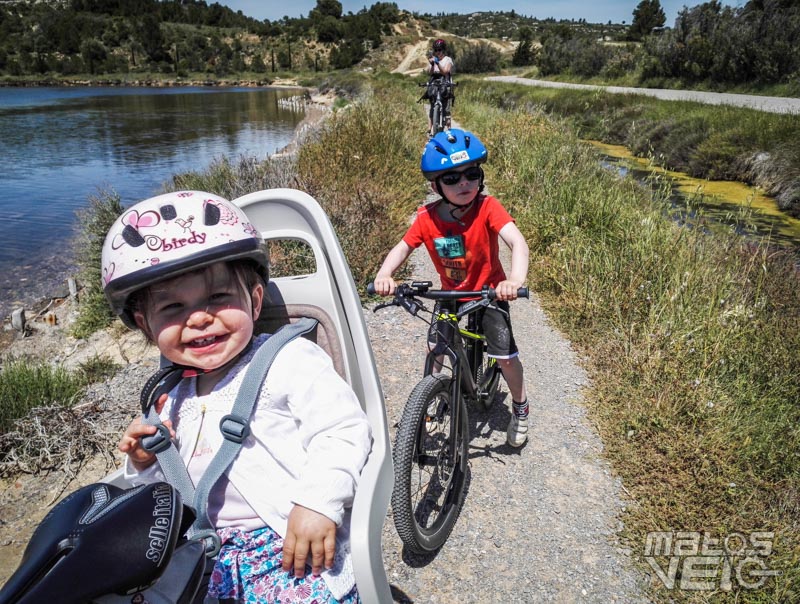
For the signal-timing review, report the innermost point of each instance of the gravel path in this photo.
(539, 523)
(770, 104)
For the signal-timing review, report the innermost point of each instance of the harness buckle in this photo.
(211, 541)
(158, 442)
(234, 428)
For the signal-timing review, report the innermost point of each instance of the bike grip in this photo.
(371, 289)
(522, 292)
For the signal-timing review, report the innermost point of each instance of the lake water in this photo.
(58, 146)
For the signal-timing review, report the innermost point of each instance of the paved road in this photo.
(771, 104)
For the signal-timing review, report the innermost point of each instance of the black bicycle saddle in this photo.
(99, 540)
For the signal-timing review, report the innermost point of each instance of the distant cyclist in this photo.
(461, 231)
(440, 71)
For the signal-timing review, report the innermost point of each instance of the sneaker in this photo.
(517, 432)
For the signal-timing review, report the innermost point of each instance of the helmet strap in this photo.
(452, 208)
(166, 378)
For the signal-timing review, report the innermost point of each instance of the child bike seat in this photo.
(328, 294)
(99, 540)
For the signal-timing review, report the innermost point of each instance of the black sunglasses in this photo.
(453, 178)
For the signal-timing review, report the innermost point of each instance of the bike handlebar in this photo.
(422, 289)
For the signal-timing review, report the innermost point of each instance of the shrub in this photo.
(25, 384)
(478, 58)
(94, 312)
(364, 171)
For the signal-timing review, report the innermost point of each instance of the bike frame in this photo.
(457, 347)
(438, 124)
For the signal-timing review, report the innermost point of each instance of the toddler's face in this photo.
(202, 319)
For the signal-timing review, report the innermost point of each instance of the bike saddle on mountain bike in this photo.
(103, 540)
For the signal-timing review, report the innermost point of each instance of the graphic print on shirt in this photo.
(450, 250)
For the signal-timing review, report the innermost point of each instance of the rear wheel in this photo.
(429, 482)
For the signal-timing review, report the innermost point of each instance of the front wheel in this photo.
(487, 377)
(436, 118)
(429, 485)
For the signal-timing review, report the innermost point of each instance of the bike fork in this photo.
(455, 418)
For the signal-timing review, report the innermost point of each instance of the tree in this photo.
(524, 54)
(328, 30)
(257, 64)
(479, 58)
(329, 8)
(94, 54)
(150, 36)
(647, 16)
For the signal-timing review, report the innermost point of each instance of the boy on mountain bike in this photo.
(461, 231)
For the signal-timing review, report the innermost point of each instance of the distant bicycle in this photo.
(438, 92)
(430, 448)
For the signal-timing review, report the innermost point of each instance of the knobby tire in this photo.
(487, 376)
(429, 489)
(436, 119)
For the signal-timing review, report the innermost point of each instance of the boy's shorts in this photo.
(496, 327)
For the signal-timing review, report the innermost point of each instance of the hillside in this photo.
(96, 39)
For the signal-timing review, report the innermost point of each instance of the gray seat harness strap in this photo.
(235, 428)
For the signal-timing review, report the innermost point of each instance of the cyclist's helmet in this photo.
(439, 45)
(449, 150)
(168, 235)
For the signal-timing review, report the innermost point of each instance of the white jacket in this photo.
(309, 440)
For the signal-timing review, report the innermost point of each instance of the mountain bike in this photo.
(438, 91)
(430, 448)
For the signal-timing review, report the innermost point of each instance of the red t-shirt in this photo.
(466, 257)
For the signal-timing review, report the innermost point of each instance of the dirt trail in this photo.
(539, 523)
(770, 104)
(417, 51)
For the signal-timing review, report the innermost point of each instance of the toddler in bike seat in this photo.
(461, 231)
(189, 270)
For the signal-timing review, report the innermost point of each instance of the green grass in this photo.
(25, 385)
(692, 341)
(28, 383)
(705, 141)
(94, 312)
(364, 171)
(232, 178)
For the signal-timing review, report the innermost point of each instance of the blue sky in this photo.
(595, 12)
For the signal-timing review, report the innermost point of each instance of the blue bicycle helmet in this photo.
(451, 149)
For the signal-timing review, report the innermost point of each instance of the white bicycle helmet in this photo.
(165, 236)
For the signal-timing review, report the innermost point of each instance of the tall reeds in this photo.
(692, 338)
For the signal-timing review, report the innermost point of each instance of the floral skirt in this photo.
(248, 569)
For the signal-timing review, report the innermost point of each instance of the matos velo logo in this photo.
(695, 561)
